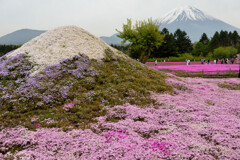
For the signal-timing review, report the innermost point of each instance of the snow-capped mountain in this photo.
(187, 13)
(194, 21)
(190, 19)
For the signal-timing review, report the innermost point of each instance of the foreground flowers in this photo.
(199, 121)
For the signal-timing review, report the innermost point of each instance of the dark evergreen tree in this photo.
(204, 39)
(200, 49)
(168, 48)
(183, 42)
(224, 39)
(215, 42)
(165, 31)
(234, 38)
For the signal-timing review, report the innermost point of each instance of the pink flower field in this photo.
(196, 68)
(199, 120)
(201, 67)
(173, 63)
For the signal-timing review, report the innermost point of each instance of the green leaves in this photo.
(143, 37)
(224, 52)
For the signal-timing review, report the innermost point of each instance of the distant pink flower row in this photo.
(175, 63)
(200, 68)
(184, 63)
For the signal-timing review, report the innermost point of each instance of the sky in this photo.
(101, 17)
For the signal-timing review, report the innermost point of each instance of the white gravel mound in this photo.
(61, 43)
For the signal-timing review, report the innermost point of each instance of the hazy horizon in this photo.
(101, 17)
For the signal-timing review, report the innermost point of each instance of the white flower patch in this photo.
(62, 43)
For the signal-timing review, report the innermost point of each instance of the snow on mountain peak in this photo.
(184, 14)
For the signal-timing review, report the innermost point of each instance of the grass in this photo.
(120, 80)
(225, 74)
(230, 86)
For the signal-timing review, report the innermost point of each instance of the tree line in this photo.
(7, 48)
(174, 44)
(143, 41)
(220, 41)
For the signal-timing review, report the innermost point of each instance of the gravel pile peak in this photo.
(61, 43)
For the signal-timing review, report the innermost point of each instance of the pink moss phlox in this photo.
(68, 106)
(38, 125)
(120, 134)
(196, 68)
(156, 145)
(191, 124)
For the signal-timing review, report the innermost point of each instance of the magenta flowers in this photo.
(68, 106)
(199, 121)
(200, 68)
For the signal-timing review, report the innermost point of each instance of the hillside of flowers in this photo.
(199, 120)
(74, 91)
(109, 107)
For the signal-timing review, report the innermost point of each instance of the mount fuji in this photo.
(190, 19)
(194, 21)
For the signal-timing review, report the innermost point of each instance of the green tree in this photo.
(182, 41)
(224, 38)
(235, 38)
(169, 47)
(215, 41)
(204, 39)
(200, 49)
(143, 37)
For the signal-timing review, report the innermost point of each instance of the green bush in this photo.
(233, 51)
(180, 58)
(220, 52)
(224, 52)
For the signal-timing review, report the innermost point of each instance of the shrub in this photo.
(224, 52)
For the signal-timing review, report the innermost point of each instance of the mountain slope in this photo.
(112, 39)
(20, 36)
(194, 22)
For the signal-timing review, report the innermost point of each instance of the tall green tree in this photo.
(204, 39)
(169, 47)
(183, 42)
(224, 38)
(215, 41)
(200, 49)
(143, 37)
(235, 38)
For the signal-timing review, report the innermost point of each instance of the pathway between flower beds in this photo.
(199, 121)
